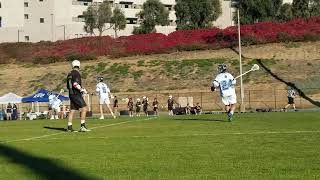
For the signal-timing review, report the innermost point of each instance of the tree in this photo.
(153, 13)
(118, 21)
(195, 14)
(253, 11)
(96, 17)
(104, 16)
(300, 8)
(285, 12)
(90, 17)
(314, 7)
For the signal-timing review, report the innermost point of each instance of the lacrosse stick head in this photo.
(255, 67)
(61, 90)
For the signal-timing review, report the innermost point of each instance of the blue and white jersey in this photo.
(54, 101)
(102, 89)
(291, 93)
(226, 82)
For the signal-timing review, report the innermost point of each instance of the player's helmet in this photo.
(75, 63)
(100, 79)
(222, 68)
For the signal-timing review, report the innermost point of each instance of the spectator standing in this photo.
(170, 105)
(9, 109)
(138, 107)
(115, 105)
(130, 107)
(155, 105)
(14, 112)
(145, 104)
(188, 109)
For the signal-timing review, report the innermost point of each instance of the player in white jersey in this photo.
(226, 82)
(104, 96)
(291, 96)
(54, 105)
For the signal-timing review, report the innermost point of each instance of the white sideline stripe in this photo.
(195, 135)
(48, 135)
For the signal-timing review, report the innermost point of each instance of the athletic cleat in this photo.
(230, 117)
(71, 130)
(84, 129)
(101, 117)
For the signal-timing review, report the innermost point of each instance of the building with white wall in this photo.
(52, 20)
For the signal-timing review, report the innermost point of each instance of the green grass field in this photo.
(254, 146)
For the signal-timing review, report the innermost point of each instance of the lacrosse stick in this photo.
(61, 91)
(255, 67)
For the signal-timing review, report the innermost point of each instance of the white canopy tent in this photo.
(11, 98)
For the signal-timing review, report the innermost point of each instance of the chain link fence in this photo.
(265, 99)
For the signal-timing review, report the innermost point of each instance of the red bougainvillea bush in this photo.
(91, 47)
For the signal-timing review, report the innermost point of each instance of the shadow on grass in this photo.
(44, 167)
(300, 92)
(202, 119)
(55, 128)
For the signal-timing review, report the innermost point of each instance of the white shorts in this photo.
(228, 100)
(57, 109)
(104, 100)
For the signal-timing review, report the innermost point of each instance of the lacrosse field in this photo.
(254, 146)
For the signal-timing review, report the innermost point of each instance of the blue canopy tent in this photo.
(42, 95)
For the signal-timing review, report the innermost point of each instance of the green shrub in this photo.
(46, 60)
(311, 37)
(284, 37)
(121, 69)
(101, 66)
(141, 63)
(155, 63)
(136, 75)
(248, 40)
(81, 57)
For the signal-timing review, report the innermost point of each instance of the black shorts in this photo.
(290, 100)
(145, 109)
(130, 109)
(138, 109)
(170, 108)
(77, 102)
(155, 108)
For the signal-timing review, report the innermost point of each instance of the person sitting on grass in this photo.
(198, 109)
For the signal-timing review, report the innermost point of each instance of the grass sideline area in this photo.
(253, 146)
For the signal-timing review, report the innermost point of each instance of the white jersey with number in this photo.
(291, 93)
(226, 82)
(54, 102)
(103, 90)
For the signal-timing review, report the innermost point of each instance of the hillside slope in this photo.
(184, 71)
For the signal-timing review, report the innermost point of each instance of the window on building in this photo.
(41, 20)
(169, 7)
(26, 38)
(26, 4)
(132, 20)
(126, 4)
(0, 21)
(26, 16)
(0, 5)
(40, 0)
